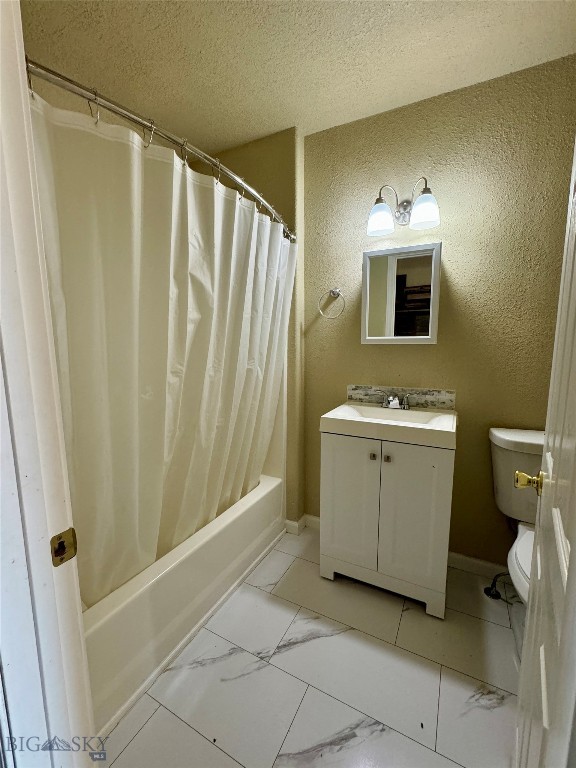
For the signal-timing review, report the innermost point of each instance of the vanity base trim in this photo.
(435, 601)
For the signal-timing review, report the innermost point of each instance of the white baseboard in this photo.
(473, 565)
(312, 521)
(306, 521)
(295, 526)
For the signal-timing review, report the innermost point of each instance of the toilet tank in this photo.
(514, 449)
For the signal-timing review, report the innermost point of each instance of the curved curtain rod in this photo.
(92, 96)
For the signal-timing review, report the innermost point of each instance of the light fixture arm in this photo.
(381, 199)
(426, 189)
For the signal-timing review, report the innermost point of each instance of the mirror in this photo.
(400, 292)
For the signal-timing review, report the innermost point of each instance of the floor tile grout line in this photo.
(139, 729)
(271, 552)
(395, 645)
(399, 622)
(473, 616)
(401, 648)
(276, 582)
(389, 727)
(375, 637)
(197, 731)
(351, 706)
(126, 715)
(438, 710)
(299, 557)
(310, 685)
(498, 569)
(508, 606)
(237, 645)
(291, 723)
(285, 633)
(274, 585)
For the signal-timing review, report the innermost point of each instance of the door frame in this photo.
(54, 669)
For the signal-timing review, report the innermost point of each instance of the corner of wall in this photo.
(274, 165)
(296, 444)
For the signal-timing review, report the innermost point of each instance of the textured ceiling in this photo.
(223, 73)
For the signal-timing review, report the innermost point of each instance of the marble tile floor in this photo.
(298, 671)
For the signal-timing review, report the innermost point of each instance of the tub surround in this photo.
(440, 399)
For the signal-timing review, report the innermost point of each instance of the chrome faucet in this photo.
(391, 401)
(405, 402)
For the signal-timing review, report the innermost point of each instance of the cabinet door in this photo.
(349, 499)
(415, 501)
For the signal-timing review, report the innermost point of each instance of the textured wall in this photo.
(274, 166)
(498, 157)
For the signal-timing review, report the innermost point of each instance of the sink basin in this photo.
(416, 426)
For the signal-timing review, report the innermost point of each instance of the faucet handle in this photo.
(406, 402)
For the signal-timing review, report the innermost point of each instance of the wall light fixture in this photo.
(422, 213)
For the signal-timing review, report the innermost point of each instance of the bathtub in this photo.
(133, 633)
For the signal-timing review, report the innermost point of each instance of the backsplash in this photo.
(444, 399)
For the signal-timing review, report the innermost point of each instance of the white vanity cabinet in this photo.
(385, 515)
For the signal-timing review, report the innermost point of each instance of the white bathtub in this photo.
(134, 632)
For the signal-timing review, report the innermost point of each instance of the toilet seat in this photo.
(520, 560)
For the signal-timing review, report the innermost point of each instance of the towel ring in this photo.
(336, 293)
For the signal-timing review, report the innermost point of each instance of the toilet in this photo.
(517, 449)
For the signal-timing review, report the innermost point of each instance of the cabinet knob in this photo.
(388, 459)
(373, 457)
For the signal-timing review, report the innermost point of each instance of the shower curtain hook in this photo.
(219, 171)
(184, 152)
(151, 128)
(29, 76)
(97, 102)
(243, 191)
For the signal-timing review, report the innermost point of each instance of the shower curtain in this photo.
(170, 298)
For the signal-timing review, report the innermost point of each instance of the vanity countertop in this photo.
(417, 426)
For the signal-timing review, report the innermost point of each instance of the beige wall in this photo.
(498, 158)
(274, 166)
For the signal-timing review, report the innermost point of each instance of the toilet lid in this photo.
(524, 553)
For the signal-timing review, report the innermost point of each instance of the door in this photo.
(349, 499)
(548, 673)
(415, 500)
(44, 670)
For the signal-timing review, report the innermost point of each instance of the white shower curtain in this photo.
(170, 301)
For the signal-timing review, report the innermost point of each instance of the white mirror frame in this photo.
(429, 249)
